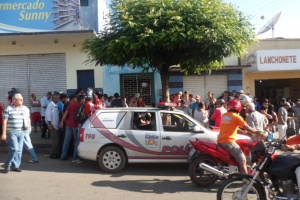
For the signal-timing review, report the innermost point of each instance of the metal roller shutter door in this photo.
(32, 74)
(216, 84)
(14, 73)
(47, 73)
(194, 85)
(200, 85)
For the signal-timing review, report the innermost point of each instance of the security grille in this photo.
(135, 85)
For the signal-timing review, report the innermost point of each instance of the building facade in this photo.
(132, 83)
(40, 46)
(275, 69)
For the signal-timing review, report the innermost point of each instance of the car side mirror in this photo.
(197, 129)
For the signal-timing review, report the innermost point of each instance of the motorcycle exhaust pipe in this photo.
(213, 170)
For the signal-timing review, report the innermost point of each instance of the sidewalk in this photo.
(38, 142)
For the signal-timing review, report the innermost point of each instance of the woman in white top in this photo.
(201, 114)
(35, 112)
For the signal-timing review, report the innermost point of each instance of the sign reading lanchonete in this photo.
(274, 60)
(39, 15)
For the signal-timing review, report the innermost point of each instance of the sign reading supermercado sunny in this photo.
(274, 60)
(39, 15)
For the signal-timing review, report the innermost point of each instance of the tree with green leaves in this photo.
(156, 34)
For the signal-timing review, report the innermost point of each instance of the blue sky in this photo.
(288, 23)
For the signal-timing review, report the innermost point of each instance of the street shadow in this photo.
(91, 167)
(156, 186)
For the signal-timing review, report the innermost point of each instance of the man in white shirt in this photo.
(189, 104)
(210, 100)
(44, 103)
(52, 120)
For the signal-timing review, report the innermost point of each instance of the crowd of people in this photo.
(237, 112)
(55, 116)
(261, 115)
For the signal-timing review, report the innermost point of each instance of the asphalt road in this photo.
(59, 180)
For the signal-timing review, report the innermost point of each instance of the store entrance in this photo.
(275, 89)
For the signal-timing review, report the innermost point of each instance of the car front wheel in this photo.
(112, 159)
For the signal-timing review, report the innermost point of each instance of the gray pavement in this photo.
(38, 142)
(59, 180)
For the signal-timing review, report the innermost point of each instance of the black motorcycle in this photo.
(280, 173)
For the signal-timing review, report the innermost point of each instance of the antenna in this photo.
(269, 25)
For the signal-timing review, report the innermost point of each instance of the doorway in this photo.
(275, 89)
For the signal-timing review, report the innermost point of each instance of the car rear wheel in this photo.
(112, 159)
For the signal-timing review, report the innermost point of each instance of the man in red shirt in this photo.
(72, 128)
(220, 110)
(141, 102)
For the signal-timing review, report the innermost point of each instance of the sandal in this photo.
(32, 161)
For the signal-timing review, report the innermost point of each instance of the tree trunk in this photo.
(164, 75)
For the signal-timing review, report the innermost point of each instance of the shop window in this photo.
(84, 2)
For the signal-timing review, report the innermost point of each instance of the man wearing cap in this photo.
(282, 118)
(195, 105)
(220, 110)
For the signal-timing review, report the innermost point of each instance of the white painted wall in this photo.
(41, 44)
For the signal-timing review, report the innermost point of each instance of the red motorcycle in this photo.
(209, 161)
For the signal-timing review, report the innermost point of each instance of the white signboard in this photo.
(274, 60)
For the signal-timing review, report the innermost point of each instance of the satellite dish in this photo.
(269, 25)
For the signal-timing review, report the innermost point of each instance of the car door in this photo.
(141, 140)
(177, 130)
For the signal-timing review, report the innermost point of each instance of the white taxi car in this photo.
(115, 136)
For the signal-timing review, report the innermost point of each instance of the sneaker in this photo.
(6, 169)
(16, 170)
(77, 161)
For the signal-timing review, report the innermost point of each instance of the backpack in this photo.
(79, 115)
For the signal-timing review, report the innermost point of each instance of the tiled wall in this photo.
(234, 79)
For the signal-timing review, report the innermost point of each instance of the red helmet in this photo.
(234, 105)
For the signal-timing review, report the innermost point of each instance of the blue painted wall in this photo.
(111, 79)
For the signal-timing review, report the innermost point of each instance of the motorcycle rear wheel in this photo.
(231, 189)
(200, 176)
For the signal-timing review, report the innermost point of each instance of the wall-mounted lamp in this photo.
(13, 42)
(56, 41)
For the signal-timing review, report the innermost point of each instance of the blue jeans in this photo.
(70, 132)
(28, 146)
(15, 140)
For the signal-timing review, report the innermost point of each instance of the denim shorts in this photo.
(235, 151)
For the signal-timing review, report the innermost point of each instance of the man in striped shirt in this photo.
(15, 122)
